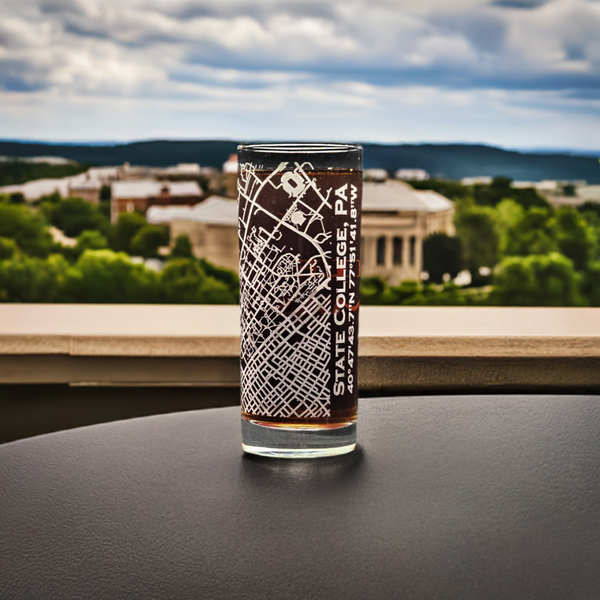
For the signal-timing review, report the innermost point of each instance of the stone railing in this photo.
(411, 350)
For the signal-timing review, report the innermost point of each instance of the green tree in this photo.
(125, 230)
(184, 281)
(182, 247)
(492, 194)
(590, 284)
(402, 293)
(501, 188)
(27, 229)
(431, 295)
(529, 197)
(90, 240)
(7, 248)
(508, 216)
(590, 211)
(53, 198)
(477, 231)
(441, 255)
(47, 203)
(222, 274)
(17, 198)
(104, 203)
(534, 233)
(75, 215)
(104, 208)
(105, 192)
(450, 189)
(536, 280)
(30, 279)
(148, 240)
(104, 276)
(372, 290)
(576, 239)
(589, 207)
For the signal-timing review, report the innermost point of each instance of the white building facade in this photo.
(395, 221)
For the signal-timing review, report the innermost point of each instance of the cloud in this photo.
(527, 4)
(340, 52)
(481, 45)
(257, 10)
(484, 30)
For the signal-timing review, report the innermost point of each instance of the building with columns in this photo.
(395, 220)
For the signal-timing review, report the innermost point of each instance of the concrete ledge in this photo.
(401, 349)
(119, 330)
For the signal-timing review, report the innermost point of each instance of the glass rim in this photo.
(300, 148)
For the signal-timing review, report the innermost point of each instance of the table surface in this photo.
(471, 497)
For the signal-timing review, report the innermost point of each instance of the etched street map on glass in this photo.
(299, 233)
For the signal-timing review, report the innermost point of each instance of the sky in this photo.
(512, 73)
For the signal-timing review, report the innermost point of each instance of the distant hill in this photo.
(150, 154)
(451, 161)
(14, 173)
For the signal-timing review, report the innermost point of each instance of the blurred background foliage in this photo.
(99, 268)
(516, 249)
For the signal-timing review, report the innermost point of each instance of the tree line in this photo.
(98, 268)
(518, 250)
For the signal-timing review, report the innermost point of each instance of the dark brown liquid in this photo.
(299, 277)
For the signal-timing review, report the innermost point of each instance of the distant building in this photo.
(209, 171)
(580, 194)
(411, 175)
(230, 168)
(375, 175)
(32, 190)
(82, 184)
(547, 185)
(482, 180)
(105, 175)
(127, 172)
(588, 193)
(127, 196)
(190, 169)
(562, 193)
(211, 227)
(88, 189)
(231, 164)
(395, 221)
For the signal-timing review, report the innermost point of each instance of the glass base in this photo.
(288, 442)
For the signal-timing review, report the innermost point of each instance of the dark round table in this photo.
(470, 497)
